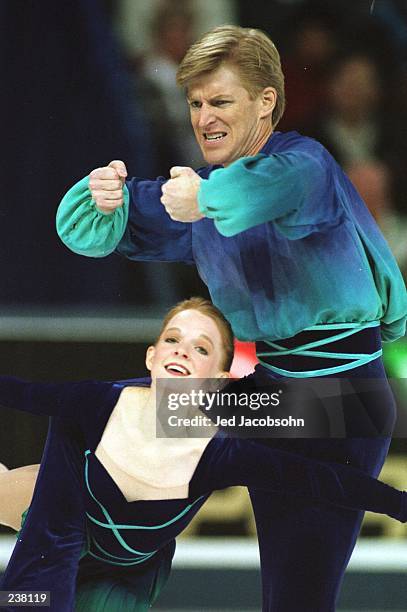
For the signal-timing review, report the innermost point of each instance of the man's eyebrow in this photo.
(221, 95)
(212, 98)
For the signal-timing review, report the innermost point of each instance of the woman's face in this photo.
(189, 346)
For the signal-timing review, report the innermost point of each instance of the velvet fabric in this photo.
(52, 540)
(294, 492)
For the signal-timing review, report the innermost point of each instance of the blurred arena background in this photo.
(88, 81)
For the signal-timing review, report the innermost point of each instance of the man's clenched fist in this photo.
(180, 194)
(106, 186)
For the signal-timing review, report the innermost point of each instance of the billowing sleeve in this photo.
(254, 190)
(54, 399)
(140, 230)
(86, 230)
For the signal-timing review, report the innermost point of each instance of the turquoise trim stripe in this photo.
(115, 527)
(357, 326)
(96, 543)
(123, 560)
(111, 523)
(92, 554)
(283, 351)
(321, 372)
(326, 354)
(305, 350)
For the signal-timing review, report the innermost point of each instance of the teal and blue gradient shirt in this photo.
(286, 241)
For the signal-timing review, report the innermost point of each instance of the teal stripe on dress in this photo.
(111, 524)
(115, 527)
(96, 543)
(92, 554)
(111, 559)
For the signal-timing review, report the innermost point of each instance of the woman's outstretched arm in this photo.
(69, 399)
(245, 462)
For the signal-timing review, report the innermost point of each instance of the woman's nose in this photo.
(182, 352)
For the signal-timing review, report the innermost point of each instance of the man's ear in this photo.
(149, 357)
(268, 101)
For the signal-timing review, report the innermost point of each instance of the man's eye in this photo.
(221, 102)
(195, 104)
(202, 350)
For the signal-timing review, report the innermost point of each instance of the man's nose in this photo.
(206, 116)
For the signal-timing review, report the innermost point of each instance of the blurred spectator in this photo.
(311, 45)
(352, 127)
(360, 130)
(357, 126)
(133, 16)
(172, 34)
(373, 182)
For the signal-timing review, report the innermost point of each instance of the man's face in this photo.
(227, 123)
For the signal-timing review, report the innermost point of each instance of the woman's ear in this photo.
(150, 357)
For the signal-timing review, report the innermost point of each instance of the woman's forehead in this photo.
(194, 321)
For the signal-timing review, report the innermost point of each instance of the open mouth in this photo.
(177, 370)
(214, 137)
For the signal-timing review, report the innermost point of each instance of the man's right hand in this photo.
(106, 186)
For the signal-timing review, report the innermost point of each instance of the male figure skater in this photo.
(293, 259)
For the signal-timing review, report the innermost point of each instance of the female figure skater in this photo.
(111, 497)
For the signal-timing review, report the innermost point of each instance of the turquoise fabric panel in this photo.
(86, 230)
(254, 190)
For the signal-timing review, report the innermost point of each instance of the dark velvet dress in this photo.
(86, 544)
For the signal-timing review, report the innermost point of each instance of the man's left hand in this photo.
(180, 195)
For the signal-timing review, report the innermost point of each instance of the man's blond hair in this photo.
(250, 50)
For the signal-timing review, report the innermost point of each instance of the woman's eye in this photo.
(171, 340)
(202, 350)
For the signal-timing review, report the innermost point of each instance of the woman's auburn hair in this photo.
(250, 50)
(206, 308)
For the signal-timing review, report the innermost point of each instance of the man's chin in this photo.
(214, 158)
